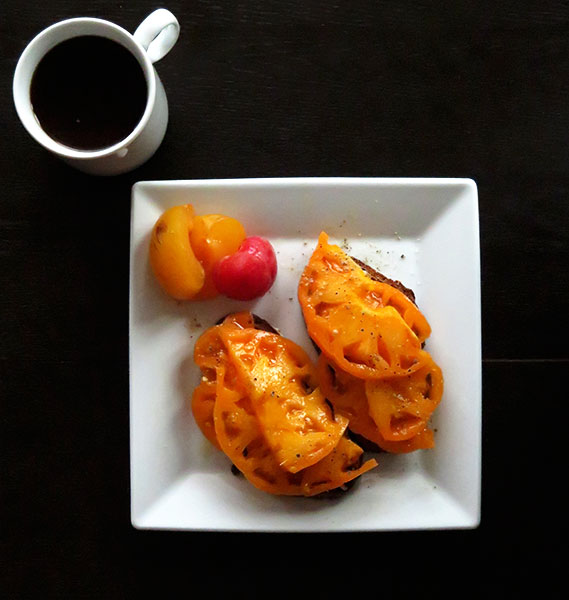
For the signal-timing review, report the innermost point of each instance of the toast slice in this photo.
(356, 460)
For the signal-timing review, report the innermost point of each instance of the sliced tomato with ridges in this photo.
(348, 397)
(402, 406)
(292, 413)
(203, 401)
(241, 438)
(368, 328)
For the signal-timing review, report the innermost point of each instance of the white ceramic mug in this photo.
(152, 40)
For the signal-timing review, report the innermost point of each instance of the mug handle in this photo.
(158, 33)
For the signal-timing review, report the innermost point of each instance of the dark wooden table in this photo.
(268, 88)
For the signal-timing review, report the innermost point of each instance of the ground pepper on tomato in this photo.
(402, 406)
(372, 367)
(348, 397)
(368, 328)
(291, 410)
(260, 392)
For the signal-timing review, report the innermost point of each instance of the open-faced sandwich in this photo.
(283, 421)
(373, 367)
(259, 401)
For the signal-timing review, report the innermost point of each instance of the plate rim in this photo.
(472, 513)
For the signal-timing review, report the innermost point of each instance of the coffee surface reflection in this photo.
(88, 92)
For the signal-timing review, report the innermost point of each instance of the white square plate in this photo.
(423, 232)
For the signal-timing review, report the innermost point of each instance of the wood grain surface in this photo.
(284, 88)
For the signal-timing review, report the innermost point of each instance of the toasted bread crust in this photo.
(264, 325)
(259, 324)
(377, 276)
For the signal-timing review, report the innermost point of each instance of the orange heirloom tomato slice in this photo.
(241, 438)
(292, 413)
(369, 329)
(172, 258)
(212, 238)
(209, 350)
(210, 355)
(203, 401)
(424, 440)
(231, 391)
(401, 406)
(336, 469)
(348, 397)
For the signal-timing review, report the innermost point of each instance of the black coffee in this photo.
(88, 92)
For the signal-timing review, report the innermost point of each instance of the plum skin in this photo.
(248, 273)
